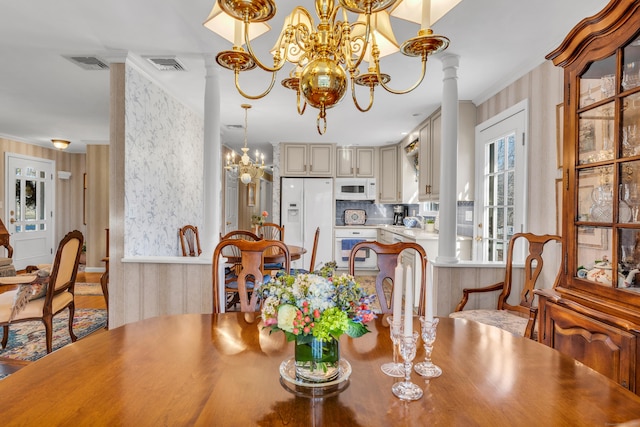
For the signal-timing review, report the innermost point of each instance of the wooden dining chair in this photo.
(271, 231)
(519, 319)
(251, 270)
(190, 240)
(388, 256)
(312, 262)
(41, 296)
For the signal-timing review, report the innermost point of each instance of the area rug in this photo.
(88, 289)
(27, 339)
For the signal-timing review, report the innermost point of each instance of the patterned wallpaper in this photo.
(164, 168)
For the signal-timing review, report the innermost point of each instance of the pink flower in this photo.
(265, 214)
(270, 321)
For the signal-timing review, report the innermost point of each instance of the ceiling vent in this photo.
(88, 62)
(165, 63)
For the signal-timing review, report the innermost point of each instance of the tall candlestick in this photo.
(408, 308)
(398, 283)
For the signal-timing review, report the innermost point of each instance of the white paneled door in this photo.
(30, 190)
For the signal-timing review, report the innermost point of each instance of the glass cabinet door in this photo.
(606, 229)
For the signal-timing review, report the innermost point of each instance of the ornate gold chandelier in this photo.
(322, 56)
(246, 169)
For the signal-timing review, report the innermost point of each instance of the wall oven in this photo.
(346, 238)
(355, 189)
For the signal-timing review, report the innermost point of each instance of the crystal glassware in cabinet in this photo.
(598, 82)
(631, 66)
(596, 134)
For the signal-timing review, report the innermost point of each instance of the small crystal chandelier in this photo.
(328, 56)
(246, 169)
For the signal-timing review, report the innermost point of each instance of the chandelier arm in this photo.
(262, 95)
(276, 67)
(355, 101)
(365, 45)
(304, 106)
(402, 92)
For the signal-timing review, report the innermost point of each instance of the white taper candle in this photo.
(398, 283)
(429, 297)
(408, 308)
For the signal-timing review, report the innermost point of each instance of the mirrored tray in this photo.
(307, 389)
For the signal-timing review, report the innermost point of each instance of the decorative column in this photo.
(210, 228)
(448, 162)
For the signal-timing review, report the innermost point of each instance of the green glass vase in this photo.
(317, 361)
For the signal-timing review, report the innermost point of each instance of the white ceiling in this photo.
(44, 96)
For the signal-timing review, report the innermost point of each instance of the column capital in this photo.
(450, 61)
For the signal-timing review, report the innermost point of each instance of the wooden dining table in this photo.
(221, 369)
(272, 255)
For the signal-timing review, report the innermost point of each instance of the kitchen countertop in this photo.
(413, 233)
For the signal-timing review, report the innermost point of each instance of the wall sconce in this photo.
(60, 144)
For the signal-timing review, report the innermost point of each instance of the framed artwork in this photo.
(559, 133)
(593, 237)
(84, 199)
(251, 194)
(559, 206)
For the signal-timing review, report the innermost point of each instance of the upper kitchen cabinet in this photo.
(355, 162)
(430, 140)
(389, 178)
(307, 160)
(593, 314)
(429, 159)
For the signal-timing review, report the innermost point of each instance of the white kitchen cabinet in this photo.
(307, 160)
(429, 155)
(389, 178)
(355, 162)
(429, 159)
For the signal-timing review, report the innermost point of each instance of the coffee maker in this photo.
(399, 214)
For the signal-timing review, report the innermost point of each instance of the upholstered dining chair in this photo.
(251, 270)
(190, 240)
(388, 256)
(41, 296)
(519, 319)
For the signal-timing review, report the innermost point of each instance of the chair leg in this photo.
(72, 310)
(48, 331)
(5, 335)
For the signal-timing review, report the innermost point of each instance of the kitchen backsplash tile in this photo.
(380, 214)
(377, 213)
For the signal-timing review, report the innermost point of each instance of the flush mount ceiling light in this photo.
(327, 56)
(60, 144)
(244, 167)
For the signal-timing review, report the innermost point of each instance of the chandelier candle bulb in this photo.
(426, 14)
(397, 296)
(408, 304)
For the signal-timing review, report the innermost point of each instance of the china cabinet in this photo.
(356, 162)
(593, 314)
(389, 182)
(308, 160)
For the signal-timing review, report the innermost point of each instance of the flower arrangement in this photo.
(317, 305)
(259, 219)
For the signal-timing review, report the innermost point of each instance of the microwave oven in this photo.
(355, 189)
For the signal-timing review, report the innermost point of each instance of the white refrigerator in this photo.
(307, 203)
